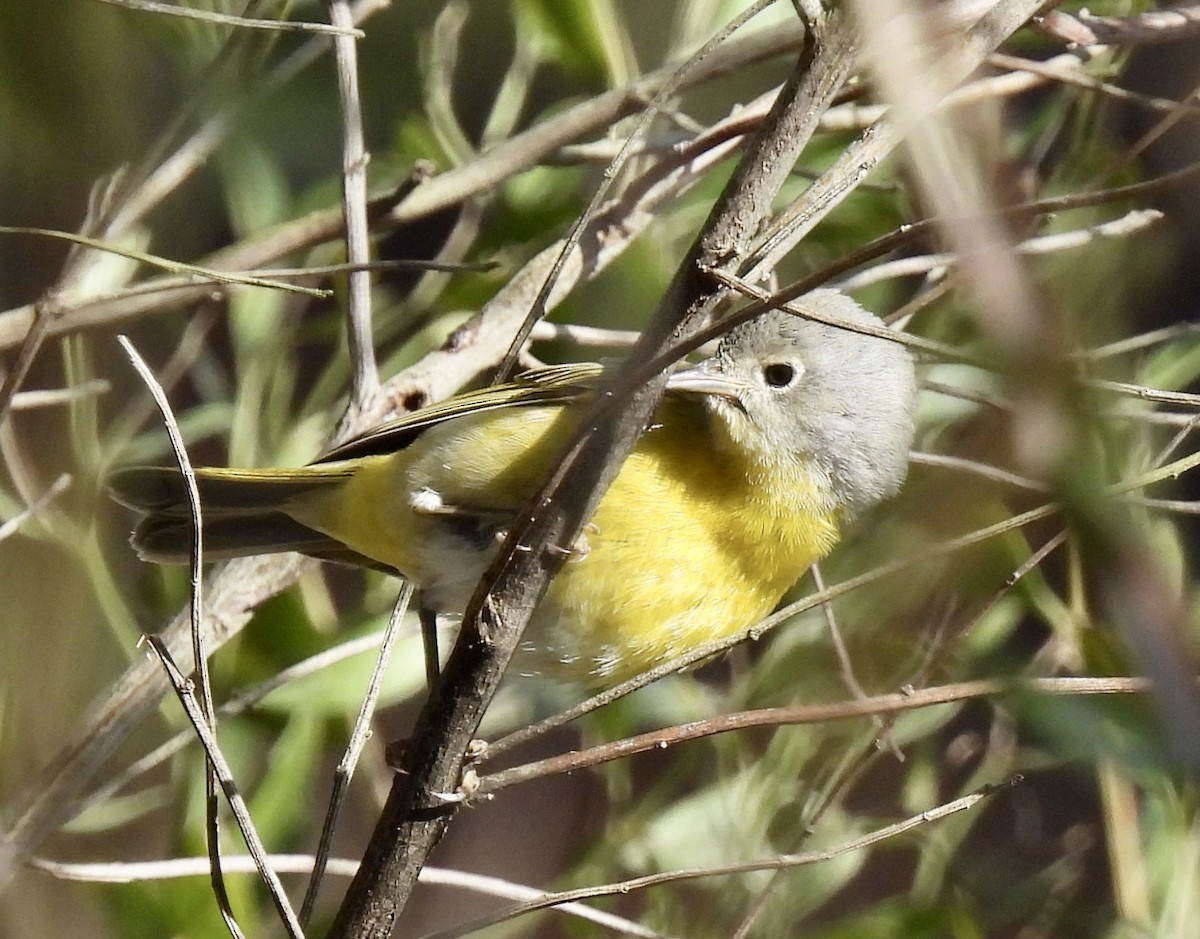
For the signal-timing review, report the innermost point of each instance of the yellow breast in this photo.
(691, 544)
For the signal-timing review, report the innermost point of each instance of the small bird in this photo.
(753, 464)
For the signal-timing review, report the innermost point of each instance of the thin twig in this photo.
(201, 682)
(986, 470)
(237, 704)
(893, 703)
(611, 173)
(364, 376)
(624, 887)
(354, 747)
(176, 267)
(57, 488)
(52, 397)
(126, 872)
(184, 691)
(1152, 26)
(1132, 222)
(240, 22)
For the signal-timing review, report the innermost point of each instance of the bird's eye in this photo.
(779, 374)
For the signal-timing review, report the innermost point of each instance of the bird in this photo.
(753, 464)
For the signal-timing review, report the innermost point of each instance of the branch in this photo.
(365, 374)
(413, 820)
(440, 192)
(807, 714)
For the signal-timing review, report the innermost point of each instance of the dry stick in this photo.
(364, 377)
(846, 666)
(1140, 341)
(773, 301)
(986, 470)
(865, 153)
(1000, 403)
(201, 682)
(358, 739)
(238, 704)
(241, 22)
(57, 488)
(621, 888)
(50, 397)
(413, 820)
(184, 690)
(538, 310)
(126, 872)
(893, 703)
(1132, 222)
(1064, 70)
(1153, 26)
(440, 192)
(196, 271)
(157, 174)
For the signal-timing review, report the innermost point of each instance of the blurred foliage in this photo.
(88, 90)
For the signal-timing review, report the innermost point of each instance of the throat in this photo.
(790, 519)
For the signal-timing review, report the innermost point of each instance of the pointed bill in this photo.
(706, 378)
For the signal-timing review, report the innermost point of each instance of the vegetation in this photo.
(979, 718)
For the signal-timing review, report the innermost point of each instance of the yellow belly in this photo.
(690, 543)
(684, 549)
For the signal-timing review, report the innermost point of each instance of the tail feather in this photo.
(161, 489)
(167, 539)
(243, 512)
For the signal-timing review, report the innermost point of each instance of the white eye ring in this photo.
(780, 375)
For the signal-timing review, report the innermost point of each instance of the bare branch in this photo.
(240, 22)
(858, 707)
(365, 373)
(412, 821)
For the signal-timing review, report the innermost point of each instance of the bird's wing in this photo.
(555, 384)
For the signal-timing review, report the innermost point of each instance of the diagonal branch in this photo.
(413, 819)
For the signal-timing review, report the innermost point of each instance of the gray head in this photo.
(789, 388)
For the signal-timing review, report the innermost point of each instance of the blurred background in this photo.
(1101, 839)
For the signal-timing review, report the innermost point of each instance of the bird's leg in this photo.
(429, 641)
(467, 788)
(579, 549)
